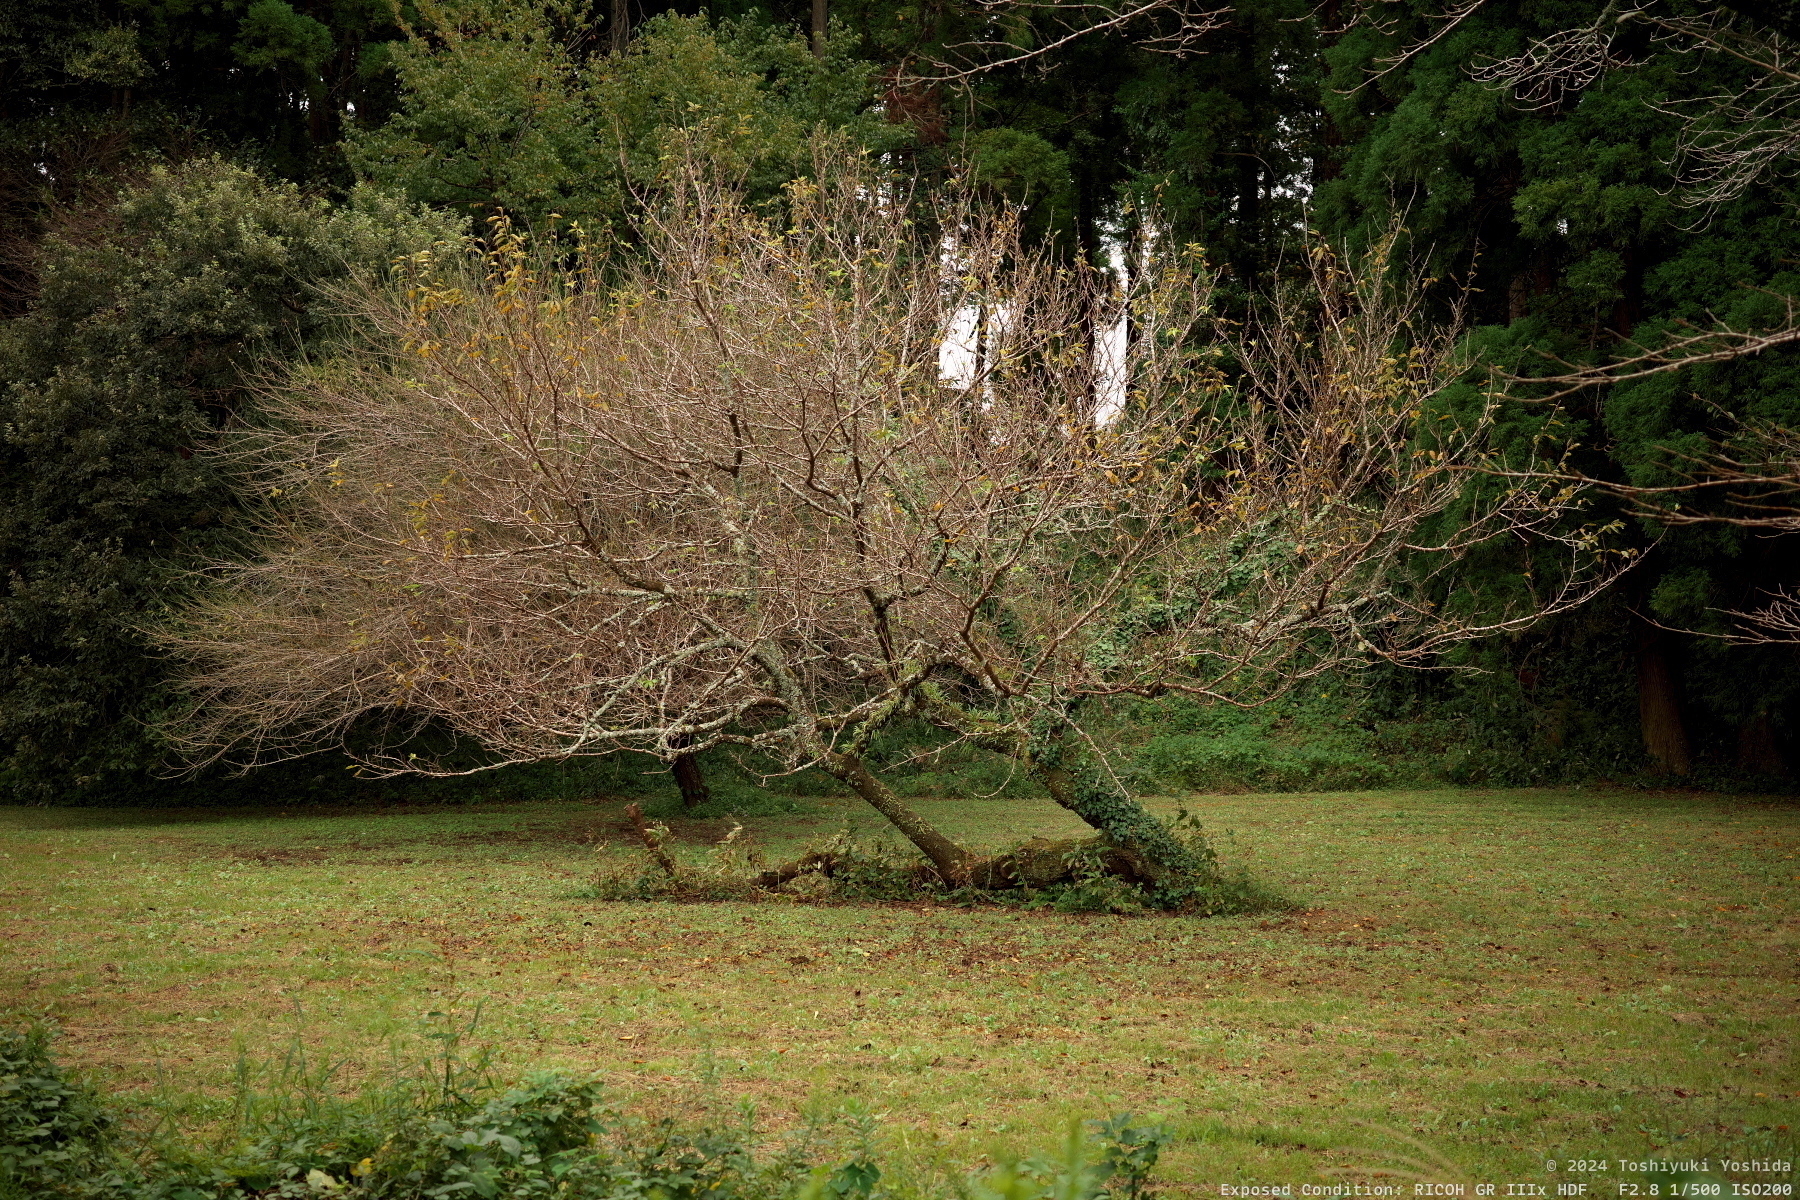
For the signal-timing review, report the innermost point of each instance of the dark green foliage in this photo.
(1306, 743)
(463, 1136)
(154, 316)
(1247, 759)
(509, 106)
(88, 86)
(54, 1132)
(1226, 143)
(1566, 223)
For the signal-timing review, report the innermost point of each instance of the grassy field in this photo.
(1506, 977)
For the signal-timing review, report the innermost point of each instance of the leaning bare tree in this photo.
(728, 493)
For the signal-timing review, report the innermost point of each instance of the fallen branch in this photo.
(1041, 862)
(820, 862)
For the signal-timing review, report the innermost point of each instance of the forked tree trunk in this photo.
(1659, 705)
(1146, 849)
(1083, 788)
(1134, 844)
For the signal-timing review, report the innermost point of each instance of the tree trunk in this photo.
(619, 26)
(1093, 795)
(1085, 789)
(1759, 748)
(951, 860)
(1041, 863)
(1659, 705)
(691, 780)
(818, 28)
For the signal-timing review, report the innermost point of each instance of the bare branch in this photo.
(1175, 27)
(1553, 67)
(1720, 343)
(1446, 24)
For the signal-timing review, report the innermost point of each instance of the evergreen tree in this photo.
(153, 318)
(1564, 223)
(506, 107)
(86, 86)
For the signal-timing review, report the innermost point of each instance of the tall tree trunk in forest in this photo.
(1328, 147)
(1536, 278)
(1251, 236)
(1092, 248)
(619, 25)
(818, 28)
(1659, 704)
(1759, 748)
(324, 116)
(1628, 310)
(1089, 212)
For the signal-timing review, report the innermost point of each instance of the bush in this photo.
(1249, 760)
(1298, 744)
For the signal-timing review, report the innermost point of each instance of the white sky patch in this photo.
(956, 353)
(1112, 348)
(959, 354)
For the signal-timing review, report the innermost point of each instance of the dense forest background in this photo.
(182, 182)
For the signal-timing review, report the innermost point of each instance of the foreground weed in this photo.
(550, 1135)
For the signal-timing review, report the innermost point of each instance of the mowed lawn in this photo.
(1503, 976)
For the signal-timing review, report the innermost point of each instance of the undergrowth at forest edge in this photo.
(447, 1128)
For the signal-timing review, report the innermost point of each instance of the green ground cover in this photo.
(1504, 976)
